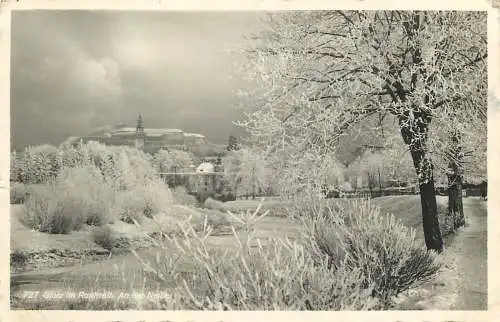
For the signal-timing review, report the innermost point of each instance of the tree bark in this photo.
(430, 221)
(455, 180)
(455, 203)
(414, 132)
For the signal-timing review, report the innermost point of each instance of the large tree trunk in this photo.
(430, 221)
(414, 132)
(455, 180)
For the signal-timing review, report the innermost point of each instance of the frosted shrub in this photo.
(307, 205)
(387, 252)
(182, 197)
(143, 200)
(277, 275)
(77, 196)
(350, 258)
(87, 184)
(104, 237)
(130, 206)
(52, 210)
(17, 192)
(211, 203)
(218, 220)
(96, 184)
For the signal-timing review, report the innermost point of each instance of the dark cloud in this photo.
(72, 71)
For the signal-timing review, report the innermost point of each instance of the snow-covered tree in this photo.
(39, 164)
(173, 161)
(253, 172)
(320, 72)
(231, 166)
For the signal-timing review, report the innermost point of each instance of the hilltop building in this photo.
(147, 139)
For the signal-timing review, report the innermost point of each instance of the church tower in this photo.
(140, 136)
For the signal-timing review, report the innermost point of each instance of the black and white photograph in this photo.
(252, 160)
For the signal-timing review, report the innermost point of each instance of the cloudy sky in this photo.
(72, 71)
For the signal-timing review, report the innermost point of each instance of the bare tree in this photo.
(323, 71)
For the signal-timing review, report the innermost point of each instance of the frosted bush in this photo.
(280, 275)
(49, 209)
(182, 197)
(143, 200)
(17, 192)
(211, 203)
(76, 197)
(356, 234)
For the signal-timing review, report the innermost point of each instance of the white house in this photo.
(205, 167)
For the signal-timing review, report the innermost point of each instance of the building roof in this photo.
(124, 133)
(147, 131)
(205, 167)
(125, 129)
(162, 131)
(196, 135)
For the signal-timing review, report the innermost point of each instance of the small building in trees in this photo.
(205, 167)
(207, 183)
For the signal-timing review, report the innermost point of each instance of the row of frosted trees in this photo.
(39, 164)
